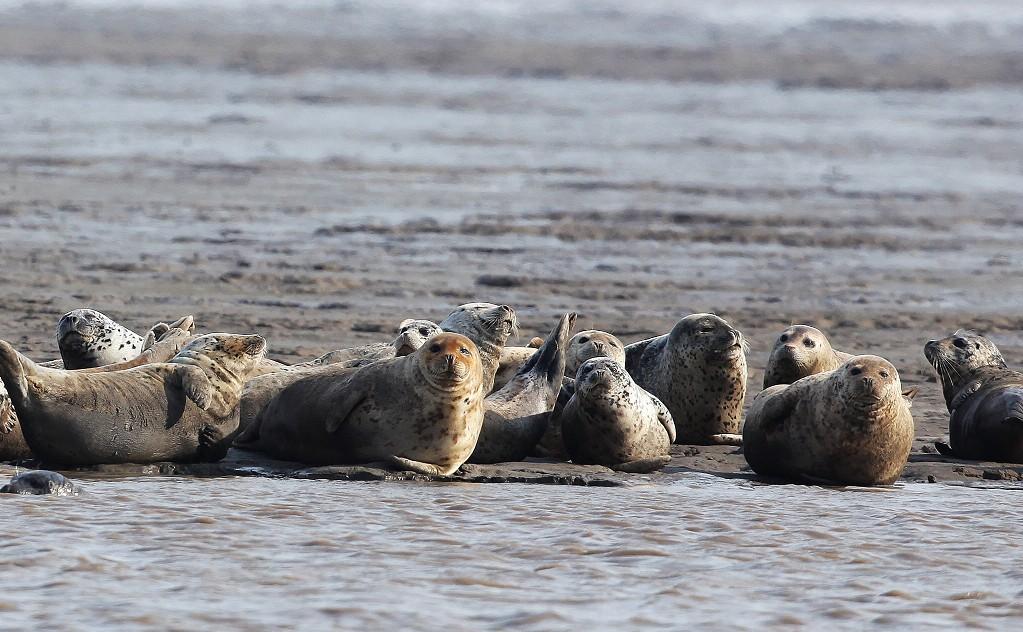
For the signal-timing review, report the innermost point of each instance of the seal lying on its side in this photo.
(699, 371)
(411, 335)
(850, 426)
(87, 339)
(984, 398)
(487, 325)
(516, 416)
(801, 350)
(40, 483)
(422, 412)
(611, 421)
(182, 410)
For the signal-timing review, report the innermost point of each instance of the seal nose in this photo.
(449, 361)
(599, 346)
(868, 382)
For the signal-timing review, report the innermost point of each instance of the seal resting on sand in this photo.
(850, 426)
(699, 371)
(182, 410)
(613, 422)
(801, 350)
(421, 412)
(983, 395)
(517, 415)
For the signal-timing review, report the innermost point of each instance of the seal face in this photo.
(801, 350)
(984, 397)
(593, 344)
(412, 334)
(848, 426)
(517, 415)
(182, 410)
(489, 326)
(40, 483)
(87, 338)
(612, 421)
(699, 371)
(421, 412)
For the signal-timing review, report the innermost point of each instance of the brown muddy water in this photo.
(252, 553)
(318, 171)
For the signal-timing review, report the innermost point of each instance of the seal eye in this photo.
(959, 342)
(809, 343)
(423, 331)
(584, 340)
(784, 338)
(463, 351)
(884, 374)
(435, 348)
(978, 344)
(856, 371)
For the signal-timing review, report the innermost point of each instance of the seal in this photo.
(611, 421)
(850, 426)
(40, 483)
(182, 410)
(13, 446)
(801, 350)
(487, 325)
(593, 343)
(516, 416)
(699, 371)
(421, 412)
(89, 339)
(983, 395)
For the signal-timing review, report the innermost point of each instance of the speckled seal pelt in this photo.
(489, 326)
(182, 410)
(611, 421)
(850, 426)
(699, 371)
(983, 395)
(421, 412)
(799, 351)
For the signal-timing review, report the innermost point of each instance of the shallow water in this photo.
(264, 553)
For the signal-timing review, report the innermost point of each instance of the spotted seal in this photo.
(611, 421)
(850, 426)
(801, 350)
(182, 410)
(983, 395)
(489, 326)
(517, 414)
(593, 343)
(40, 483)
(421, 412)
(699, 371)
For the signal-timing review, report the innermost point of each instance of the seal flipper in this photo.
(419, 467)
(944, 449)
(14, 371)
(196, 384)
(726, 439)
(664, 416)
(344, 407)
(549, 360)
(213, 443)
(643, 466)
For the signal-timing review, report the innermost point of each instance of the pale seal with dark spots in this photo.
(40, 483)
(182, 410)
(983, 395)
(611, 421)
(517, 415)
(489, 326)
(699, 371)
(801, 350)
(421, 412)
(850, 426)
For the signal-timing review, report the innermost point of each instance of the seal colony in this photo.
(441, 395)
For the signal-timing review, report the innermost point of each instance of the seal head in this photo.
(88, 339)
(593, 344)
(800, 350)
(40, 483)
(489, 326)
(412, 334)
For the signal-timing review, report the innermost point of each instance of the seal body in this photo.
(984, 398)
(516, 416)
(699, 371)
(40, 483)
(487, 325)
(801, 350)
(850, 426)
(421, 412)
(182, 410)
(611, 421)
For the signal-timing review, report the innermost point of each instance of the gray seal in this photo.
(983, 395)
(850, 426)
(489, 326)
(611, 421)
(517, 415)
(40, 483)
(699, 371)
(593, 343)
(421, 412)
(801, 350)
(182, 410)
